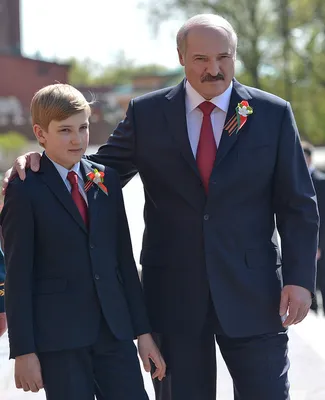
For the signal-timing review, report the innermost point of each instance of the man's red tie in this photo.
(77, 196)
(207, 148)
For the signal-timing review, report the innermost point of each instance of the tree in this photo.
(11, 142)
(121, 72)
(82, 72)
(310, 44)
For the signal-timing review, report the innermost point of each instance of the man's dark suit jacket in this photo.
(318, 178)
(62, 278)
(2, 280)
(194, 244)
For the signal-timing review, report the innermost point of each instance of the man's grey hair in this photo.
(206, 20)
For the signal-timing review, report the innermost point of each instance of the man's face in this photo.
(209, 60)
(65, 141)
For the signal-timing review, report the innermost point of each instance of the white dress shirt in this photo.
(194, 115)
(64, 175)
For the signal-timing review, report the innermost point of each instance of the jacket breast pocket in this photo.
(254, 150)
(50, 285)
(257, 159)
(262, 257)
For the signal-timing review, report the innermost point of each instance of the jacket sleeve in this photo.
(320, 192)
(119, 151)
(128, 270)
(295, 207)
(18, 233)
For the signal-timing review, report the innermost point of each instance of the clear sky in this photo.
(98, 29)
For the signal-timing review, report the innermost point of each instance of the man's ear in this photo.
(181, 57)
(39, 134)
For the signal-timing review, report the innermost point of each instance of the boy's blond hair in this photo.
(57, 102)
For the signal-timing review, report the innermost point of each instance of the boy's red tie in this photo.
(77, 196)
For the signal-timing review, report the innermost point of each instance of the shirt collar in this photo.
(64, 172)
(194, 99)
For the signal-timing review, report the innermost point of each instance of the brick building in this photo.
(21, 77)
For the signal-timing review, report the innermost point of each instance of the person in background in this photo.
(318, 178)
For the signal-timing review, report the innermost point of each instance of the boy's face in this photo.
(65, 141)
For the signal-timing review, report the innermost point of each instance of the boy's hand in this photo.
(148, 350)
(28, 160)
(3, 323)
(28, 374)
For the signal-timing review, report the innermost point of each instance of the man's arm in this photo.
(18, 232)
(297, 222)
(119, 151)
(27, 160)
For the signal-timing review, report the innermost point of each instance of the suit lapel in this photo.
(238, 94)
(175, 113)
(94, 194)
(53, 180)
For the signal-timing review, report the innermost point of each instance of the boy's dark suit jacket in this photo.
(62, 278)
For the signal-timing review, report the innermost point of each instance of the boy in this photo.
(73, 297)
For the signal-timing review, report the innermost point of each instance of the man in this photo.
(318, 178)
(209, 268)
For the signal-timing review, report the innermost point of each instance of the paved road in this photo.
(307, 340)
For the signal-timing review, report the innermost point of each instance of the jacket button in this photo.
(91, 245)
(206, 217)
(96, 277)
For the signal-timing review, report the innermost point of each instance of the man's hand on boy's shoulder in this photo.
(28, 374)
(148, 350)
(3, 323)
(28, 160)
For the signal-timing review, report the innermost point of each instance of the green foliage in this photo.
(11, 142)
(121, 72)
(81, 72)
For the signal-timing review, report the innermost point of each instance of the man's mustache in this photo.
(211, 78)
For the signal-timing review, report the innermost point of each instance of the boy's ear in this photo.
(39, 134)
